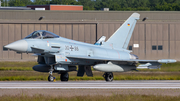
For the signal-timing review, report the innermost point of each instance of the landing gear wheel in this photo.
(108, 76)
(64, 77)
(50, 78)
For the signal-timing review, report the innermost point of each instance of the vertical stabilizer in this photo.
(120, 39)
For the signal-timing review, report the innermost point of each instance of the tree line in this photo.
(113, 5)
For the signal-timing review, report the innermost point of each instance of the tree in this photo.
(55, 2)
(41, 2)
(87, 4)
(19, 2)
(153, 3)
(116, 5)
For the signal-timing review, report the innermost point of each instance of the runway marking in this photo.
(89, 87)
(92, 85)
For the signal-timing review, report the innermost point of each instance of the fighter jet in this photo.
(61, 55)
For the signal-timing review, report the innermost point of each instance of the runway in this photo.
(136, 84)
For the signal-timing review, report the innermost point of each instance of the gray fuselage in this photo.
(62, 47)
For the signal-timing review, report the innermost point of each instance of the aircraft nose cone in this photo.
(20, 46)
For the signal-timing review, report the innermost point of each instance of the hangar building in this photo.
(57, 7)
(155, 38)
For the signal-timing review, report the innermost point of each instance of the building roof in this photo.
(15, 8)
(32, 15)
(54, 5)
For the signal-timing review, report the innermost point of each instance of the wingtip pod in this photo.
(135, 15)
(167, 61)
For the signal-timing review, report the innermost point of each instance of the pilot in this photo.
(36, 35)
(47, 35)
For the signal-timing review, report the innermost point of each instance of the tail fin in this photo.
(120, 39)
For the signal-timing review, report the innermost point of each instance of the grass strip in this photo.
(27, 66)
(16, 69)
(114, 97)
(36, 76)
(17, 64)
(75, 78)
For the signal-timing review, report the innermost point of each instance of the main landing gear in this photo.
(64, 76)
(108, 76)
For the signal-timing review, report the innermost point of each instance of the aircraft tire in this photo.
(109, 76)
(50, 78)
(64, 76)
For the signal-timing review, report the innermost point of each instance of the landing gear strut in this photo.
(108, 76)
(64, 76)
(50, 77)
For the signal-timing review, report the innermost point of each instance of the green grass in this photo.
(115, 97)
(17, 64)
(36, 76)
(27, 66)
(16, 69)
(10, 71)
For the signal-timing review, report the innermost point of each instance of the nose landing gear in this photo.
(50, 77)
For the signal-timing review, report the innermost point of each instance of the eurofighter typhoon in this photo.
(60, 55)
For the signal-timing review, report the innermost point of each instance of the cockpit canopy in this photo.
(41, 34)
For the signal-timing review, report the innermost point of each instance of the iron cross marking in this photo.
(71, 48)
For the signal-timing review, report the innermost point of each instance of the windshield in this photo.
(41, 35)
